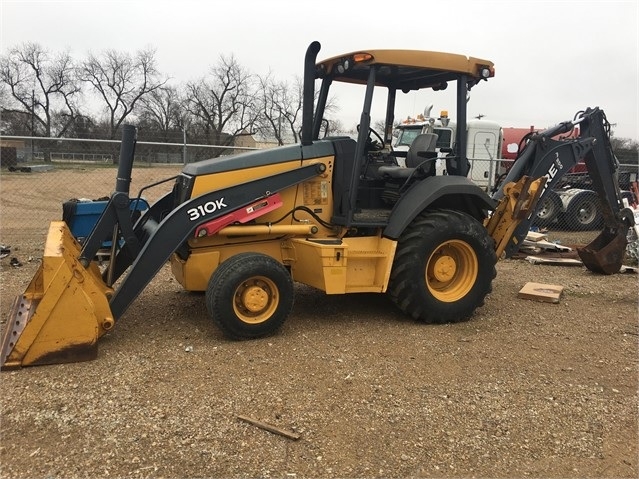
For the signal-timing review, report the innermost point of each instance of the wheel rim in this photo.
(547, 210)
(255, 300)
(586, 213)
(451, 271)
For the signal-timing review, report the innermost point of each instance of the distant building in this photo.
(9, 152)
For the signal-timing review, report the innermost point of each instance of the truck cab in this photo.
(483, 147)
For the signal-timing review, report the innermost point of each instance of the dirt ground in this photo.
(523, 389)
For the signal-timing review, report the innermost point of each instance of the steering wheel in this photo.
(378, 136)
(376, 143)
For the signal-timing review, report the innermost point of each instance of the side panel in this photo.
(304, 203)
(349, 265)
(333, 265)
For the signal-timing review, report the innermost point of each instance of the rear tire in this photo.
(250, 295)
(584, 212)
(444, 267)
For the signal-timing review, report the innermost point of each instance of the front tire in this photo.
(444, 267)
(250, 295)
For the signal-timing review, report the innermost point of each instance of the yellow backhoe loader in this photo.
(333, 212)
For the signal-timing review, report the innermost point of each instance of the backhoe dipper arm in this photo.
(602, 164)
(540, 165)
(606, 252)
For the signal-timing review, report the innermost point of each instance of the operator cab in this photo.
(367, 182)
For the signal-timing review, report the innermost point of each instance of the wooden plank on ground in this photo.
(547, 293)
(546, 245)
(536, 236)
(554, 261)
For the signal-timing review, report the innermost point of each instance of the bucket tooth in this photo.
(63, 311)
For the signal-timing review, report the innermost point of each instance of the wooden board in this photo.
(535, 236)
(554, 261)
(545, 245)
(547, 293)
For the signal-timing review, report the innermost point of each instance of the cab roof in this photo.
(404, 69)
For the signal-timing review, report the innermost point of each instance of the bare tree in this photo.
(222, 105)
(160, 111)
(40, 86)
(280, 110)
(121, 80)
(623, 143)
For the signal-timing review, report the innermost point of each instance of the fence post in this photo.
(184, 147)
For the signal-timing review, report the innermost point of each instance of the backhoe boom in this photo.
(540, 165)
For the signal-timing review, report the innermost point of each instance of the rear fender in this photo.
(452, 192)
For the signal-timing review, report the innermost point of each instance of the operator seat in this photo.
(422, 149)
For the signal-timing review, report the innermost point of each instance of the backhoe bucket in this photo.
(62, 313)
(605, 253)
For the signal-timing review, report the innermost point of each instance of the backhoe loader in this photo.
(333, 212)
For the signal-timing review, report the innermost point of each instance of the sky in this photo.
(552, 58)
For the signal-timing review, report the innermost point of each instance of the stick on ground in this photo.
(270, 428)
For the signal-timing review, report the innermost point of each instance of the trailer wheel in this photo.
(583, 212)
(548, 209)
(250, 295)
(444, 267)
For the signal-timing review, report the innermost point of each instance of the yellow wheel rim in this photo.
(451, 271)
(255, 300)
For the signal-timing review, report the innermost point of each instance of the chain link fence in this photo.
(39, 175)
(26, 151)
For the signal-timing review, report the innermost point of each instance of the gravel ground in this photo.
(523, 389)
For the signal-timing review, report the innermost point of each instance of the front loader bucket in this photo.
(605, 253)
(62, 313)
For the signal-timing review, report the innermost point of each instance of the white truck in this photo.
(484, 143)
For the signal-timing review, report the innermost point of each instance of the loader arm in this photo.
(540, 165)
(165, 237)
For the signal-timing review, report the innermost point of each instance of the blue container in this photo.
(87, 214)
